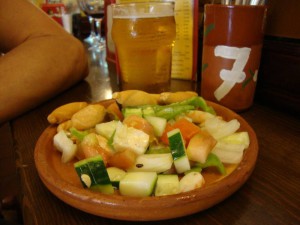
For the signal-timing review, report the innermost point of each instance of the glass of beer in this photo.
(144, 35)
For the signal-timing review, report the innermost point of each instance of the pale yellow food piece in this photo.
(66, 125)
(88, 117)
(65, 112)
(135, 98)
(198, 116)
(200, 146)
(171, 97)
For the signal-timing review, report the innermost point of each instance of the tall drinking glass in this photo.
(93, 36)
(144, 35)
(94, 9)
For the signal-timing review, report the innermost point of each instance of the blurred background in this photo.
(279, 75)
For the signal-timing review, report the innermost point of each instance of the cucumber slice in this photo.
(167, 184)
(93, 174)
(115, 175)
(182, 164)
(158, 123)
(138, 184)
(181, 161)
(153, 163)
(158, 148)
(106, 129)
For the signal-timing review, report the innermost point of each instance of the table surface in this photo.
(270, 196)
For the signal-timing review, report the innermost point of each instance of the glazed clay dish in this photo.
(61, 179)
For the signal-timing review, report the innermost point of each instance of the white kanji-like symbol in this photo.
(236, 74)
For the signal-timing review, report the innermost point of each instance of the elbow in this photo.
(74, 57)
(81, 68)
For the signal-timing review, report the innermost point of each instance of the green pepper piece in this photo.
(194, 169)
(197, 102)
(170, 112)
(111, 140)
(78, 134)
(212, 160)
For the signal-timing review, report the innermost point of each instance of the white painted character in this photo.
(236, 74)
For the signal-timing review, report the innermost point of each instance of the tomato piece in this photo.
(164, 138)
(123, 160)
(139, 123)
(187, 129)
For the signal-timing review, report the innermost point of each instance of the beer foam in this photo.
(157, 15)
(152, 12)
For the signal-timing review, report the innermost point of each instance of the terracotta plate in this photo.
(61, 179)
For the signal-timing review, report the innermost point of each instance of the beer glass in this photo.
(144, 35)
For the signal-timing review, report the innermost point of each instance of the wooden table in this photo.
(270, 196)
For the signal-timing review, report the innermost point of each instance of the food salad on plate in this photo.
(140, 144)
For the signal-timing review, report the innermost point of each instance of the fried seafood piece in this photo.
(88, 117)
(136, 97)
(65, 112)
(66, 125)
(166, 98)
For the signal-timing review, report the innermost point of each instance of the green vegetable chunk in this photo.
(93, 174)
(78, 134)
(181, 161)
(153, 163)
(197, 102)
(115, 175)
(169, 111)
(138, 184)
(132, 111)
(158, 123)
(167, 184)
(212, 160)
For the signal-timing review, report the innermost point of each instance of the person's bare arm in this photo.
(40, 58)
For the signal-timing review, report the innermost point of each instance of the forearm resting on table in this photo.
(30, 75)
